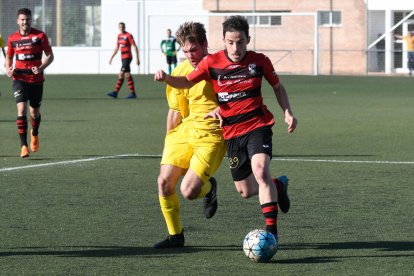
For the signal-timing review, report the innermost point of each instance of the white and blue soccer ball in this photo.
(260, 245)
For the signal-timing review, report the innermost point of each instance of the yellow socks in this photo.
(170, 207)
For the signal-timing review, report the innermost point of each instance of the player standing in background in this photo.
(169, 50)
(409, 39)
(236, 75)
(28, 45)
(194, 146)
(125, 41)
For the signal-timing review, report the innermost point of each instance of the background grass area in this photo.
(102, 217)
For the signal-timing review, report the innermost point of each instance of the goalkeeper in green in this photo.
(169, 50)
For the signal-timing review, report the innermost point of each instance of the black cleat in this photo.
(210, 200)
(283, 198)
(172, 241)
(113, 94)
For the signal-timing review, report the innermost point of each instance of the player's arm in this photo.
(114, 53)
(174, 81)
(9, 66)
(283, 101)
(162, 46)
(49, 57)
(136, 54)
(173, 119)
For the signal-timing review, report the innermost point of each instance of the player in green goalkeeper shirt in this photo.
(169, 50)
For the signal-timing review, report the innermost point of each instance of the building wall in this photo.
(341, 48)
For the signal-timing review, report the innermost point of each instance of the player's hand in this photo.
(160, 75)
(36, 70)
(291, 121)
(10, 71)
(138, 63)
(215, 114)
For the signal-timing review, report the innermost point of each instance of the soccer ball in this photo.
(260, 245)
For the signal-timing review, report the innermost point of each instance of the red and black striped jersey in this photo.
(125, 42)
(28, 50)
(238, 88)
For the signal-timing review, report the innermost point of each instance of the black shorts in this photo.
(241, 149)
(171, 59)
(126, 62)
(24, 91)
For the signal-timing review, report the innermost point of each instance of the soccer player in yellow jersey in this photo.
(194, 146)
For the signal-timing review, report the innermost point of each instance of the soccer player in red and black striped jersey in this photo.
(236, 75)
(27, 45)
(126, 43)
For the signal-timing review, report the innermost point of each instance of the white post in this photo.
(315, 45)
(388, 42)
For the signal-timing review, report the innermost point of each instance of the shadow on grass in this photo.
(112, 251)
(380, 245)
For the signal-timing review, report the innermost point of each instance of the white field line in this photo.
(77, 161)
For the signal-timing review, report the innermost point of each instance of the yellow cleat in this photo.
(24, 152)
(34, 142)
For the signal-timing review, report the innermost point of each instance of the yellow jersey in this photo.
(194, 103)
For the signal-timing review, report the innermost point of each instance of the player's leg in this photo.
(21, 102)
(169, 62)
(199, 181)
(259, 147)
(131, 86)
(410, 62)
(174, 61)
(174, 163)
(126, 68)
(35, 98)
(118, 84)
(170, 206)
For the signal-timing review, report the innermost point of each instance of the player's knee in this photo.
(189, 191)
(165, 185)
(244, 193)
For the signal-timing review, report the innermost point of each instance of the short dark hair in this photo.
(236, 23)
(122, 23)
(191, 31)
(24, 11)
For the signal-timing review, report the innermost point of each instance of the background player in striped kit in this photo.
(28, 45)
(126, 43)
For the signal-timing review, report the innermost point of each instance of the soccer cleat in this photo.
(283, 198)
(172, 241)
(34, 142)
(113, 94)
(131, 96)
(210, 200)
(24, 151)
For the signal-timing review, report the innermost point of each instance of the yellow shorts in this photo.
(199, 150)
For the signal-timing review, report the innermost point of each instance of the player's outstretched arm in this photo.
(174, 81)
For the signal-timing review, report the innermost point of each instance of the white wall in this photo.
(146, 20)
(396, 5)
